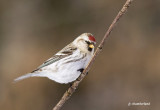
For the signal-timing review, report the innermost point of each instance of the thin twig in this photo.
(72, 89)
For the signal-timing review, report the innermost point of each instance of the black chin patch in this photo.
(89, 49)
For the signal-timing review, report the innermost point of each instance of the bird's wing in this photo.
(66, 51)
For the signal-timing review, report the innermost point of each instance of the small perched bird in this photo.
(66, 66)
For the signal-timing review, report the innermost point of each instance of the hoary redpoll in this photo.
(67, 64)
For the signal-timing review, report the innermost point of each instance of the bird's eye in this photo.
(87, 42)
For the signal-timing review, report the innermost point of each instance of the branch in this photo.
(72, 89)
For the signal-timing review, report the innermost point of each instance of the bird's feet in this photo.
(81, 70)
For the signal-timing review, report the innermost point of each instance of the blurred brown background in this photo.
(127, 70)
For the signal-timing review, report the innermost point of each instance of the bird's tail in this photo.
(24, 77)
(38, 74)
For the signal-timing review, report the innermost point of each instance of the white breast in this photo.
(65, 70)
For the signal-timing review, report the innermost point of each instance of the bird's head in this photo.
(85, 42)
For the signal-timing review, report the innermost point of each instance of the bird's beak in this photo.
(91, 46)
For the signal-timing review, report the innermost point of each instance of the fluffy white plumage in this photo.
(67, 64)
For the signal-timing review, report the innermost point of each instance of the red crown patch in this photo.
(91, 38)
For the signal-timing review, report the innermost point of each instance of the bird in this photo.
(66, 66)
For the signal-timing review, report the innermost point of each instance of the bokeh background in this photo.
(127, 70)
